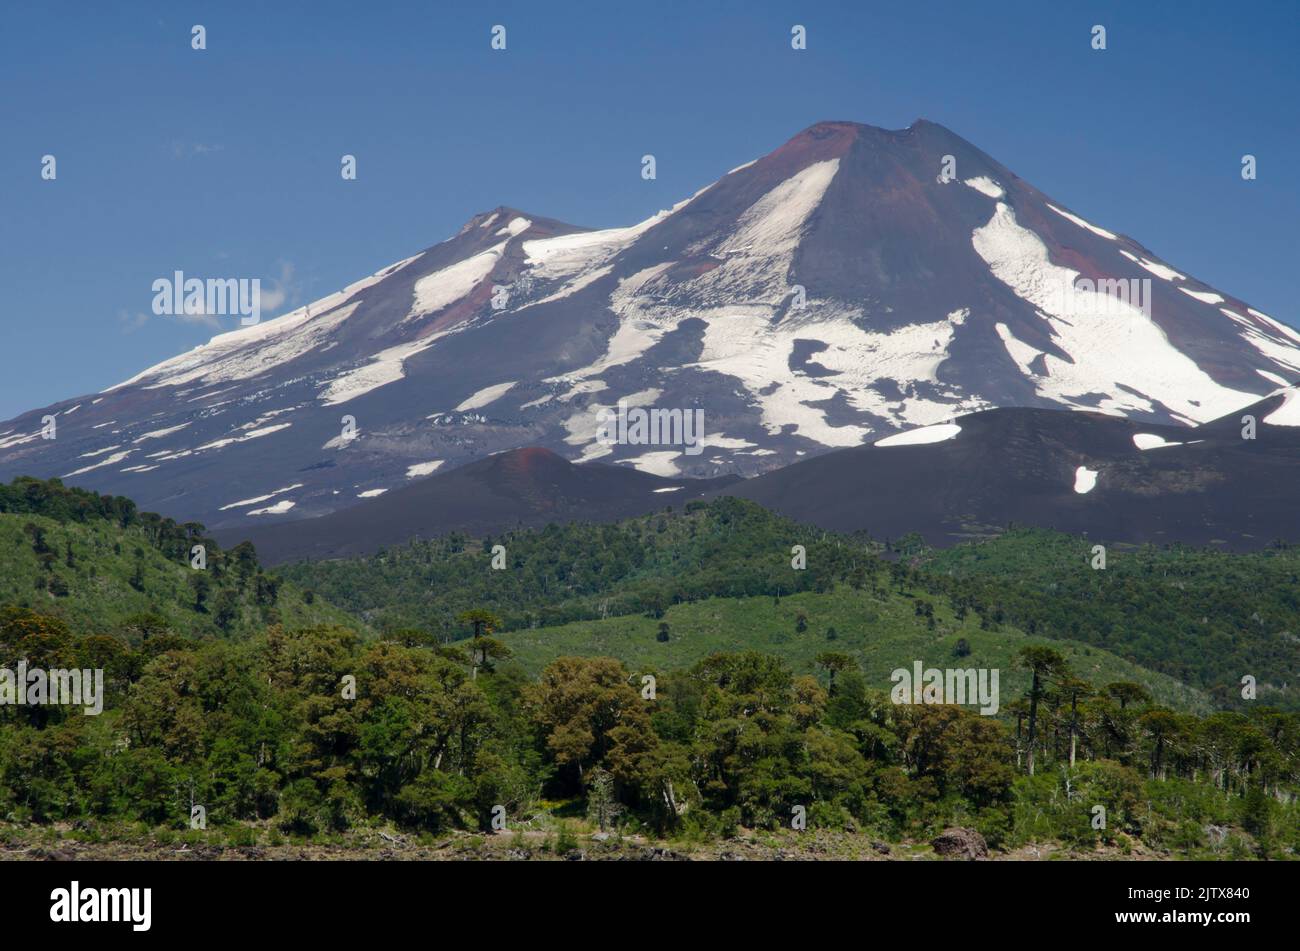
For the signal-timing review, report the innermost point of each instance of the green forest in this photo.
(690, 676)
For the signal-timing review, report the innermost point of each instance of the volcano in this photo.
(855, 283)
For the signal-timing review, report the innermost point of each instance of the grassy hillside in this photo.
(94, 572)
(880, 633)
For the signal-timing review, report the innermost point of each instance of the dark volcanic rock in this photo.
(522, 488)
(961, 843)
(1023, 467)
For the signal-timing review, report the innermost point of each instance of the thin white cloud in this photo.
(184, 150)
(277, 293)
(282, 291)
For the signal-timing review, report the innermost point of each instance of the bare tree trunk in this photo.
(1074, 727)
(1033, 721)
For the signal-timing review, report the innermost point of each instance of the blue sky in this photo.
(225, 162)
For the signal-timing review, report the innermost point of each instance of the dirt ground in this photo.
(28, 844)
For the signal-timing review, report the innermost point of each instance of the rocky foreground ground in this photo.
(952, 844)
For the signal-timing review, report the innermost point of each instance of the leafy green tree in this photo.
(833, 662)
(577, 704)
(1125, 693)
(202, 588)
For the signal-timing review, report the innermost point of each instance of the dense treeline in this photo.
(1205, 617)
(727, 548)
(97, 562)
(315, 731)
(52, 499)
(311, 729)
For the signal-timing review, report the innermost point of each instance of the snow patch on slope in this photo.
(279, 508)
(261, 498)
(1276, 325)
(922, 436)
(423, 468)
(1145, 441)
(757, 256)
(248, 351)
(744, 344)
(489, 394)
(660, 463)
(106, 461)
(1268, 341)
(516, 226)
(636, 332)
(1288, 414)
(1205, 297)
(1159, 270)
(386, 366)
(584, 425)
(565, 255)
(17, 440)
(1085, 480)
(739, 301)
(446, 286)
(1110, 341)
(985, 186)
(572, 287)
(251, 434)
(723, 441)
(159, 433)
(1081, 223)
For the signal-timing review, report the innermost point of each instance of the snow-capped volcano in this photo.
(854, 283)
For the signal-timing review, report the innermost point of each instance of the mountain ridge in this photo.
(836, 290)
(1111, 479)
(529, 487)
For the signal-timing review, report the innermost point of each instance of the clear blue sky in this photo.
(225, 163)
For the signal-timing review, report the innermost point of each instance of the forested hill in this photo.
(1205, 617)
(725, 548)
(1189, 614)
(104, 567)
(225, 688)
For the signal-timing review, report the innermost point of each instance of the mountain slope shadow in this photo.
(520, 488)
